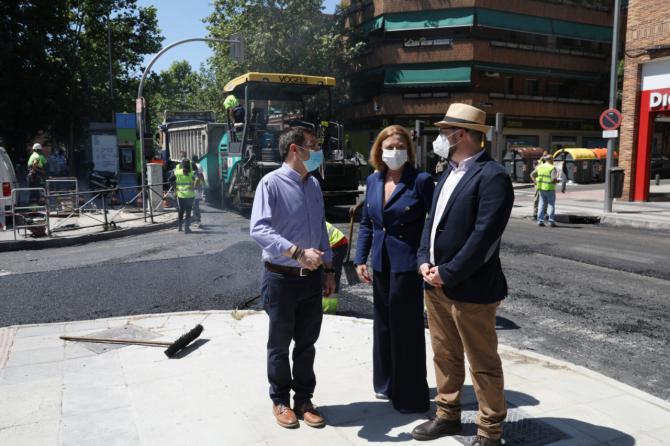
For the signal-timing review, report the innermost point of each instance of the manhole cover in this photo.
(519, 428)
(128, 331)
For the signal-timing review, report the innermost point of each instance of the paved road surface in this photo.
(591, 295)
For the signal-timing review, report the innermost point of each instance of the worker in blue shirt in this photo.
(288, 222)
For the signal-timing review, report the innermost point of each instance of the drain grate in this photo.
(519, 428)
(128, 331)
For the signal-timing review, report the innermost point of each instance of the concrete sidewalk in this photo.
(87, 228)
(584, 203)
(66, 393)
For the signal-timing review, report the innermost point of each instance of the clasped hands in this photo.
(430, 274)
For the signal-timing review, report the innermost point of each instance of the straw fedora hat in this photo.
(465, 116)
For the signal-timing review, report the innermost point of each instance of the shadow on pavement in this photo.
(191, 348)
(378, 419)
(505, 324)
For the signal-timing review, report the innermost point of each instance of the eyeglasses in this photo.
(310, 147)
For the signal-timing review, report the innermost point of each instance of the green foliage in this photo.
(54, 59)
(285, 36)
(179, 88)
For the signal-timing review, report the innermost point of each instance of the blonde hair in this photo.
(376, 150)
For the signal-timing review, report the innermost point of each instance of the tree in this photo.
(180, 88)
(289, 36)
(55, 73)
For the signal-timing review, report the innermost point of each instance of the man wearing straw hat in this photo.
(464, 282)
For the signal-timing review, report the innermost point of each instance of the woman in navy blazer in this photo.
(396, 202)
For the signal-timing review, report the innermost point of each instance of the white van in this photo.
(7, 184)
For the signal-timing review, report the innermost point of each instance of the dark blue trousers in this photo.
(399, 348)
(294, 306)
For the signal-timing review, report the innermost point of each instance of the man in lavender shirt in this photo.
(288, 222)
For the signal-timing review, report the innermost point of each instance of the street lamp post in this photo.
(140, 100)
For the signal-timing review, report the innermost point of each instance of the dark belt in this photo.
(290, 270)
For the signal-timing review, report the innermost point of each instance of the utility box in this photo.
(155, 183)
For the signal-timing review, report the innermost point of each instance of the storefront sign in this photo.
(659, 100)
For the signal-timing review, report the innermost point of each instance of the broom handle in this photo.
(116, 341)
(352, 214)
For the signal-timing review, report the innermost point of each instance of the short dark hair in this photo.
(476, 135)
(292, 135)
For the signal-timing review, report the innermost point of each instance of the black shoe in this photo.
(478, 440)
(179, 228)
(187, 230)
(436, 428)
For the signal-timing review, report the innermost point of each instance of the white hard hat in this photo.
(37, 146)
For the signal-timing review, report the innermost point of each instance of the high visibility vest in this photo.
(543, 180)
(184, 185)
(37, 156)
(335, 236)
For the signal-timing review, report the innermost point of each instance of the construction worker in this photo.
(545, 176)
(339, 244)
(36, 170)
(536, 197)
(199, 190)
(184, 179)
(235, 111)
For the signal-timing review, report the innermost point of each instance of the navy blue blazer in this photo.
(396, 225)
(467, 241)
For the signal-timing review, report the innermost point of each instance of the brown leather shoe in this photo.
(307, 412)
(484, 441)
(285, 416)
(436, 428)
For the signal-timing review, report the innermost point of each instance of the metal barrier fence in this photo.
(34, 217)
(102, 207)
(57, 191)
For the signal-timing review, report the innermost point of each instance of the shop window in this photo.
(563, 142)
(512, 141)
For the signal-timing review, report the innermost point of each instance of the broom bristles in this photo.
(183, 341)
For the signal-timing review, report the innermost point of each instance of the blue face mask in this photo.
(314, 161)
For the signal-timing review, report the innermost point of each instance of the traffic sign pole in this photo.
(607, 207)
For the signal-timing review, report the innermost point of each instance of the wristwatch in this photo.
(329, 270)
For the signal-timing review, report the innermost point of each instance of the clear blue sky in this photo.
(180, 20)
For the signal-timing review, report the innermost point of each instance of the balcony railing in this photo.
(524, 97)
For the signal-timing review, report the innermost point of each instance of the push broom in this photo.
(172, 347)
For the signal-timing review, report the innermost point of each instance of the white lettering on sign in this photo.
(659, 100)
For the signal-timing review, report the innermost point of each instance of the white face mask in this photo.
(394, 159)
(442, 146)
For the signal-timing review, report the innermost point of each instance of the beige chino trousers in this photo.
(457, 328)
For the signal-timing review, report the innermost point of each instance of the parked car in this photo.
(660, 164)
(7, 184)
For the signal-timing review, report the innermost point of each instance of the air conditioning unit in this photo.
(491, 74)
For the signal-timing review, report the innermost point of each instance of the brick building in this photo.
(543, 63)
(645, 130)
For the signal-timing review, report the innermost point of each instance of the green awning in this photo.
(419, 76)
(444, 18)
(540, 25)
(513, 22)
(372, 25)
(581, 31)
(538, 72)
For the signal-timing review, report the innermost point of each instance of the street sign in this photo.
(610, 134)
(610, 119)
